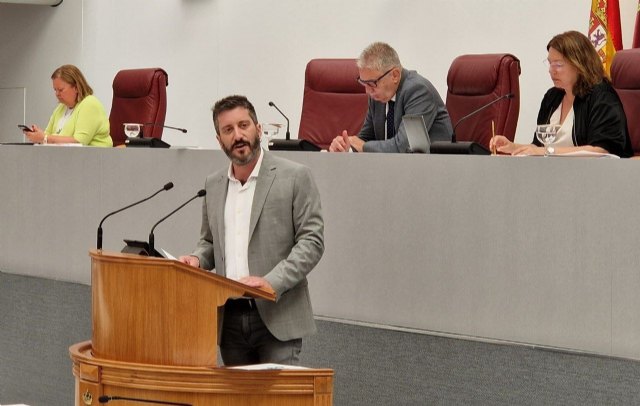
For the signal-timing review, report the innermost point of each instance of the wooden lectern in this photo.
(155, 326)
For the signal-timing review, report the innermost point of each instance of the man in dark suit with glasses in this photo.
(393, 92)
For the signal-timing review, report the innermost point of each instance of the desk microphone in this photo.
(288, 135)
(506, 96)
(184, 130)
(99, 242)
(107, 399)
(152, 251)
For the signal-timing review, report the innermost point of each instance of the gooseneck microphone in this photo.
(288, 135)
(506, 96)
(184, 130)
(152, 251)
(168, 186)
(106, 399)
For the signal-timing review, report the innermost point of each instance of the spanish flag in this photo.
(604, 29)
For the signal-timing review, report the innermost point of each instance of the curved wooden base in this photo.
(195, 385)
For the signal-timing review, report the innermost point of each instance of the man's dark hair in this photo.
(230, 103)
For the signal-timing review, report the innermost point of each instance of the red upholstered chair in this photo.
(333, 101)
(475, 80)
(139, 96)
(625, 75)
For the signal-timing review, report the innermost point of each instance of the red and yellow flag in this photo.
(636, 31)
(604, 29)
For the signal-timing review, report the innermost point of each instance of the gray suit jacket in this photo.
(286, 240)
(415, 95)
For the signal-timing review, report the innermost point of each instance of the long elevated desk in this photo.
(540, 251)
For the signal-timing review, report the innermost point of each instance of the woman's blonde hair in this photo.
(72, 75)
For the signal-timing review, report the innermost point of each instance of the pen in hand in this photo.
(493, 136)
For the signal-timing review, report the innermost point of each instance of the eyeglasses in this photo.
(556, 65)
(373, 83)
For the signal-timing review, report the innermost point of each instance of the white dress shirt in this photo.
(564, 138)
(237, 214)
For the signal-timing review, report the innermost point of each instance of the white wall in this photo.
(260, 48)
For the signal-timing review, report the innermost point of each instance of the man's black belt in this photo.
(240, 304)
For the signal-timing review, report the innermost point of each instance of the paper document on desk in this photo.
(68, 144)
(165, 254)
(268, 367)
(587, 154)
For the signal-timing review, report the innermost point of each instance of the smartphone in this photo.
(25, 128)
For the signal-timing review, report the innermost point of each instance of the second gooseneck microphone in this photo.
(288, 135)
(152, 251)
(473, 113)
(184, 130)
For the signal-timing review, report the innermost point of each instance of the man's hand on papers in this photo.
(190, 260)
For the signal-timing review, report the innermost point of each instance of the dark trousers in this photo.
(246, 340)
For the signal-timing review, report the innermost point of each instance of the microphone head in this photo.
(271, 104)
(201, 192)
(509, 95)
(168, 186)
(104, 399)
(184, 130)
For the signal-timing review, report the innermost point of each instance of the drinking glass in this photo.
(269, 131)
(546, 134)
(132, 129)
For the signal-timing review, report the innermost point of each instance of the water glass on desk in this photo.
(132, 129)
(269, 131)
(546, 134)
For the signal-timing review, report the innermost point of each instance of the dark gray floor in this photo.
(40, 318)
(381, 367)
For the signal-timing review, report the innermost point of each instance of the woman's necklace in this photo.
(63, 119)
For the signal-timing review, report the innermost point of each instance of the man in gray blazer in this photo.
(393, 92)
(261, 225)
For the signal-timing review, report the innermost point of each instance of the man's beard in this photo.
(253, 146)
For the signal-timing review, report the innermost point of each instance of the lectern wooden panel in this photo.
(155, 324)
(157, 311)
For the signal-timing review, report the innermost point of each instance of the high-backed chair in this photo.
(625, 76)
(139, 96)
(474, 81)
(333, 101)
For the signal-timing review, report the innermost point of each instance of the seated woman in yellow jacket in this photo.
(79, 118)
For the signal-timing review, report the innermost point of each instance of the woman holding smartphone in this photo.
(78, 118)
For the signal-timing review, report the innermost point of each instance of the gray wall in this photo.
(531, 250)
(260, 48)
